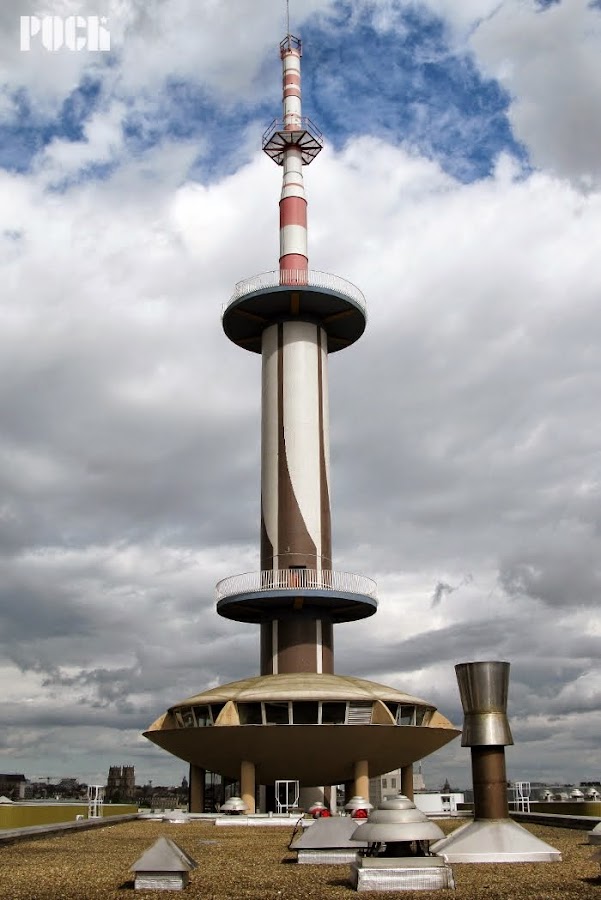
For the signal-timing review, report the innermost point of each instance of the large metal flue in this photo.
(492, 836)
(484, 688)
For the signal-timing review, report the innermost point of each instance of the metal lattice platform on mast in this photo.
(308, 137)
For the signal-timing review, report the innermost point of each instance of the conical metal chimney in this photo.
(484, 689)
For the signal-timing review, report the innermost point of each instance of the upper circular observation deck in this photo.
(295, 295)
(256, 596)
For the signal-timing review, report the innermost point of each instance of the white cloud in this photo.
(549, 63)
(102, 143)
(134, 419)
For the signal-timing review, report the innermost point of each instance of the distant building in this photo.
(384, 785)
(120, 785)
(390, 783)
(441, 802)
(13, 786)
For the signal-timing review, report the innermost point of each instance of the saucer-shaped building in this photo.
(319, 729)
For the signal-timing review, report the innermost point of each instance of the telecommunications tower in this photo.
(295, 317)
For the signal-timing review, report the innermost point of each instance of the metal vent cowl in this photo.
(397, 819)
(234, 805)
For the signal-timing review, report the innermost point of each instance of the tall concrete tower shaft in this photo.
(295, 317)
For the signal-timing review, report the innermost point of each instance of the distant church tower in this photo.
(121, 784)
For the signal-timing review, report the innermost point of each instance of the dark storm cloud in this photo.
(30, 611)
(558, 574)
(454, 643)
(78, 715)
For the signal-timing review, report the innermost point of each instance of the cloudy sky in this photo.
(460, 189)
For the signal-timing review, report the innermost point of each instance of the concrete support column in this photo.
(247, 785)
(407, 781)
(197, 790)
(361, 788)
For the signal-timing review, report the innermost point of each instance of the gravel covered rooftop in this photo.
(254, 864)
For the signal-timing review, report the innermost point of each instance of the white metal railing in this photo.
(294, 579)
(301, 277)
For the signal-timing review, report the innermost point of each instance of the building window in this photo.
(406, 715)
(250, 714)
(277, 713)
(384, 783)
(305, 712)
(203, 716)
(420, 714)
(188, 718)
(393, 707)
(215, 710)
(393, 784)
(333, 713)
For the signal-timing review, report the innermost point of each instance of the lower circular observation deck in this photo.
(295, 294)
(256, 596)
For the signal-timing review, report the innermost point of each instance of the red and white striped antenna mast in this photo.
(292, 142)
